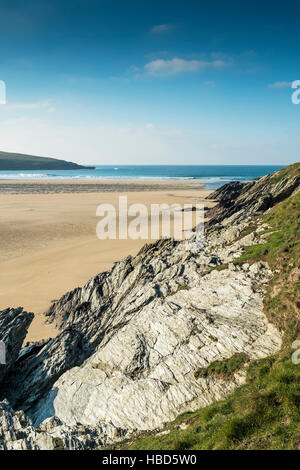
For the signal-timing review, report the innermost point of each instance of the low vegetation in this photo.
(287, 172)
(224, 369)
(262, 414)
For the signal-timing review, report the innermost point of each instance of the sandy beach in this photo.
(48, 236)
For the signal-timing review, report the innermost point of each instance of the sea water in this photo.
(214, 176)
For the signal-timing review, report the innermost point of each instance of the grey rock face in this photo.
(132, 338)
(18, 433)
(251, 198)
(14, 323)
(35, 373)
(142, 375)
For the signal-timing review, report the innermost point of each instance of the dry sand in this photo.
(48, 238)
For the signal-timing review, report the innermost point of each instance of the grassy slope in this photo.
(265, 412)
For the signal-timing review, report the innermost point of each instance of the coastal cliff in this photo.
(172, 330)
(18, 161)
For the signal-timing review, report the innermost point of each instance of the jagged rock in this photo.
(91, 315)
(215, 261)
(255, 197)
(142, 375)
(18, 433)
(30, 348)
(14, 323)
(132, 338)
(33, 374)
(226, 195)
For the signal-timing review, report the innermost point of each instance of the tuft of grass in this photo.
(224, 369)
(183, 287)
(180, 288)
(252, 228)
(219, 267)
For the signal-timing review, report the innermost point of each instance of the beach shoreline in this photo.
(27, 186)
(49, 244)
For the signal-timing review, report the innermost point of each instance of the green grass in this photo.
(179, 288)
(183, 287)
(265, 412)
(287, 172)
(252, 228)
(219, 267)
(262, 414)
(223, 369)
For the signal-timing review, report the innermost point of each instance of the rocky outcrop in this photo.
(253, 198)
(132, 339)
(228, 193)
(17, 432)
(136, 335)
(14, 323)
(143, 372)
(34, 373)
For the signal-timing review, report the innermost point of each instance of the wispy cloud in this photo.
(47, 105)
(280, 85)
(162, 28)
(209, 83)
(162, 67)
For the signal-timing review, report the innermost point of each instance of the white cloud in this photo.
(280, 85)
(47, 105)
(162, 28)
(162, 67)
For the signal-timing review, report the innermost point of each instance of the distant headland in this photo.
(19, 161)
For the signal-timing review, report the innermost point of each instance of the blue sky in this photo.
(115, 82)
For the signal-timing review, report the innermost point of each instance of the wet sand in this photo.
(48, 237)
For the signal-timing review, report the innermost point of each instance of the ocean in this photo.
(213, 175)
